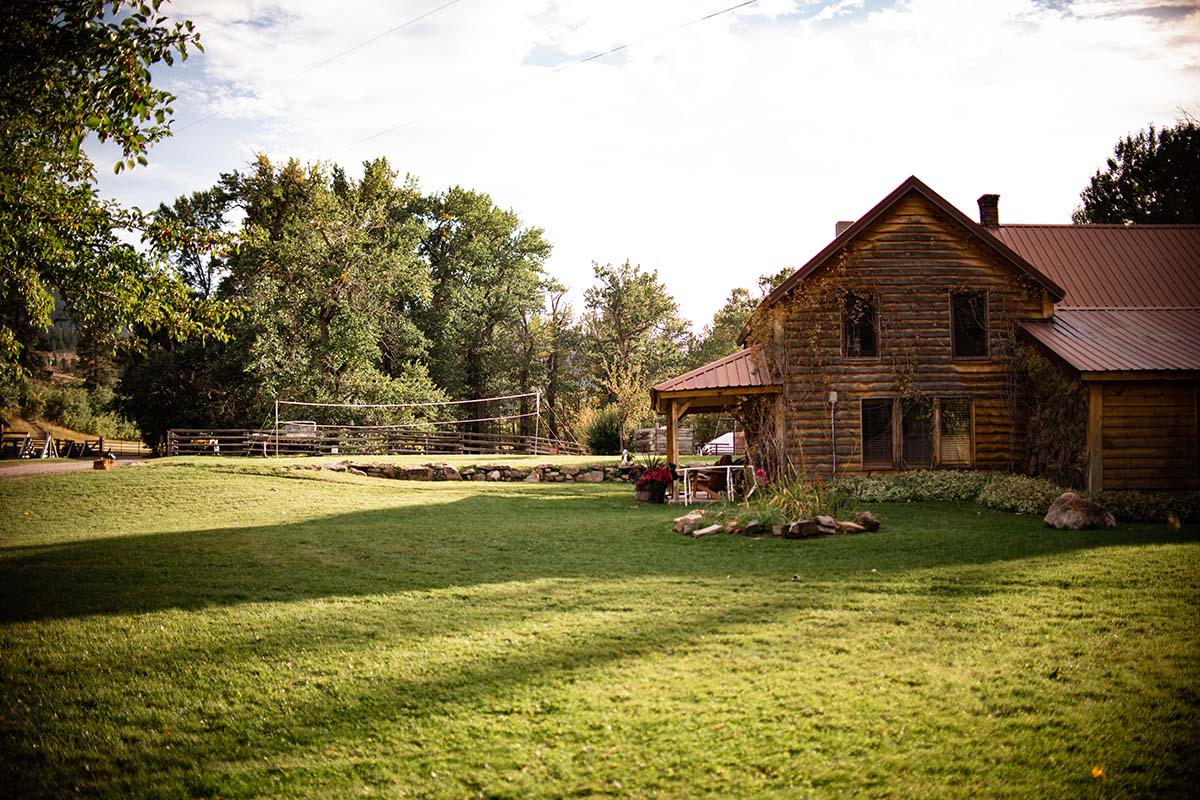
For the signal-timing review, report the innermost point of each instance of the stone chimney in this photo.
(989, 210)
(840, 227)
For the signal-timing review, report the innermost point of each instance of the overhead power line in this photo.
(320, 64)
(561, 68)
(234, 104)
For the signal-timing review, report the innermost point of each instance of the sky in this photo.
(711, 150)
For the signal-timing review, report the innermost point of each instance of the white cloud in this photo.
(716, 152)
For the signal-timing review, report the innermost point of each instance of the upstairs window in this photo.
(860, 326)
(877, 433)
(969, 324)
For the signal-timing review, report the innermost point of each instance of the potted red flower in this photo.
(652, 486)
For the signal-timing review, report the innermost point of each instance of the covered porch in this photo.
(719, 386)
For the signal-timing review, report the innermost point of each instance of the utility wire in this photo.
(230, 106)
(562, 68)
(320, 64)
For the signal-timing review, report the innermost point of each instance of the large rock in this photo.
(709, 531)
(867, 520)
(691, 518)
(826, 524)
(415, 472)
(534, 476)
(801, 529)
(448, 473)
(591, 476)
(1072, 512)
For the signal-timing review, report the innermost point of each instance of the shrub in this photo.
(915, 486)
(1019, 493)
(1150, 506)
(602, 431)
(78, 408)
(1004, 492)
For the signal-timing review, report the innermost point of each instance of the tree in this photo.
(69, 70)
(324, 263)
(189, 237)
(1153, 177)
(487, 279)
(634, 325)
(720, 337)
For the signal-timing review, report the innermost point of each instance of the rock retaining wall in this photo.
(552, 473)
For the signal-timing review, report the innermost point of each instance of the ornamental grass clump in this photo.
(799, 499)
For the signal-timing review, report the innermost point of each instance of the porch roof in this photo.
(718, 385)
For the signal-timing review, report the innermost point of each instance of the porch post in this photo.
(672, 444)
(1095, 438)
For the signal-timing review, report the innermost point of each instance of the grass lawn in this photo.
(200, 629)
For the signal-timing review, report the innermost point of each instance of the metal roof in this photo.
(742, 370)
(1106, 266)
(1120, 339)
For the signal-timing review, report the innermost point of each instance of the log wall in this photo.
(910, 259)
(1149, 435)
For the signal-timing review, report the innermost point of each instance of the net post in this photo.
(537, 422)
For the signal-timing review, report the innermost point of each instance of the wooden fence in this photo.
(337, 440)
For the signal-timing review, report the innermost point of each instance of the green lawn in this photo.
(209, 629)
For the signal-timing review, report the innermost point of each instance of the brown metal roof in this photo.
(1120, 339)
(716, 386)
(738, 371)
(1114, 265)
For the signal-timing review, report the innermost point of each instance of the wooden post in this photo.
(672, 444)
(1095, 438)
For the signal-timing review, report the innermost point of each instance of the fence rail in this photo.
(335, 440)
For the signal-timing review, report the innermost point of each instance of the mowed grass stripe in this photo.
(210, 631)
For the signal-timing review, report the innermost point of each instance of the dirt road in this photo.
(34, 466)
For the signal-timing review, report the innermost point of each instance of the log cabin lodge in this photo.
(906, 344)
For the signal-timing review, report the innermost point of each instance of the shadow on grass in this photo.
(495, 538)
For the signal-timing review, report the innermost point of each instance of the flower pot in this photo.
(656, 494)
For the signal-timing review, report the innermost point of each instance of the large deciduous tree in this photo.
(325, 264)
(487, 281)
(1152, 177)
(69, 70)
(635, 338)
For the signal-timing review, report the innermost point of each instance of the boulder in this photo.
(709, 531)
(801, 530)
(779, 530)
(753, 528)
(850, 527)
(448, 473)
(826, 524)
(104, 463)
(416, 472)
(534, 476)
(591, 476)
(867, 520)
(690, 518)
(494, 475)
(569, 470)
(1072, 512)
